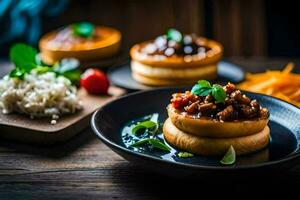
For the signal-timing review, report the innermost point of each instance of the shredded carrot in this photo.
(281, 84)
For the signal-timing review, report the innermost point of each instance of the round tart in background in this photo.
(82, 41)
(175, 58)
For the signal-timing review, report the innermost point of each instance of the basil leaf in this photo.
(23, 56)
(143, 125)
(218, 93)
(202, 88)
(185, 154)
(156, 143)
(204, 83)
(201, 91)
(73, 76)
(42, 69)
(229, 157)
(83, 29)
(17, 73)
(140, 142)
(173, 34)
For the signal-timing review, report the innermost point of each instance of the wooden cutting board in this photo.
(40, 131)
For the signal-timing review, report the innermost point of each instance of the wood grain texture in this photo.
(240, 26)
(84, 168)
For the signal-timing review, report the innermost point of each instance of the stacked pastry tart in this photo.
(175, 58)
(83, 41)
(210, 119)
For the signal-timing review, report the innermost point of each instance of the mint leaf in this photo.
(229, 157)
(175, 35)
(83, 29)
(202, 88)
(204, 83)
(156, 143)
(185, 154)
(23, 56)
(73, 76)
(17, 73)
(42, 69)
(201, 91)
(218, 93)
(143, 125)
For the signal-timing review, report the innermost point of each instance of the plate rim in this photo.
(111, 70)
(111, 144)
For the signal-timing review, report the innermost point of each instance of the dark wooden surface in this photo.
(84, 168)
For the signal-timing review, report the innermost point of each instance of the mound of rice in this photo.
(39, 95)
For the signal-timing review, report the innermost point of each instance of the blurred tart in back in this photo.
(83, 41)
(174, 58)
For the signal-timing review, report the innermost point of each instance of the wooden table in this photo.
(85, 168)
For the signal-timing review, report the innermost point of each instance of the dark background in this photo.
(261, 28)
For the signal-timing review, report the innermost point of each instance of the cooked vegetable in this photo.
(94, 81)
(281, 84)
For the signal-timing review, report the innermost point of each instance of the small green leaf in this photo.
(156, 143)
(218, 93)
(73, 76)
(202, 88)
(23, 56)
(201, 91)
(159, 145)
(204, 83)
(42, 69)
(83, 29)
(229, 157)
(140, 142)
(143, 125)
(17, 73)
(175, 35)
(185, 154)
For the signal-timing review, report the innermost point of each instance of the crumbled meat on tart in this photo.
(236, 106)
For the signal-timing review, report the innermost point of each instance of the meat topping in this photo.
(236, 106)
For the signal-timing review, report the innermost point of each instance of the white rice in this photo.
(39, 95)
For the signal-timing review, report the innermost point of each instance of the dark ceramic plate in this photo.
(108, 122)
(121, 75)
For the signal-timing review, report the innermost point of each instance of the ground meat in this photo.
(226, 114)
(209, 98)
(229, 88)
(237, 106)
(239, 97)
(192, 108)
(207, 107)
(264, 113)
(229, 101)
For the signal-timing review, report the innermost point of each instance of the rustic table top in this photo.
(85, 168)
